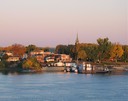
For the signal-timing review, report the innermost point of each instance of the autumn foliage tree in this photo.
(7, 48)
(31, 63)
(18, 49)
(116, 51)
(82, 55)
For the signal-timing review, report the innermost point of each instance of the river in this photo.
(63, 87)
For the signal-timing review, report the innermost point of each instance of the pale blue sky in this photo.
(53, 22)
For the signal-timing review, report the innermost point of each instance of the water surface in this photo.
(63, 87)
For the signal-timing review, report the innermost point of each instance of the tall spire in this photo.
(77, 39)
(76, 48)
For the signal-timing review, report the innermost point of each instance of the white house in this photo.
(59, 64)
(9, 53)
(65, 58)
(13, 59)
(36, 52)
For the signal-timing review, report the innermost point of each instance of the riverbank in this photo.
(111, 68)
(53, 69)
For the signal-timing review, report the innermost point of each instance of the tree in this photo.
(46, 49)
(62, 49)
(31, 63)
(125, 55)
(5, 57)
(27, 64)
(77, 49)
(18, 49)
(7, 48)
(2, 65)
(104, 46)
(1, 49)
(116, 51)
(91, 51)
(31, 48)
(82, 55)
(71, 50)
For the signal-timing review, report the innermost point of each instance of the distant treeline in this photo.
(104, 50)
(19, 49)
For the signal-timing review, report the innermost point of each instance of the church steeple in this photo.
(77, 39)
(76, 48)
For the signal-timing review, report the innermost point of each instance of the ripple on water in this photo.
(63, 87)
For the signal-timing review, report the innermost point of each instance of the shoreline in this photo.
(112, 68)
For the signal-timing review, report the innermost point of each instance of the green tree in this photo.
(5, 57)
(77, 49)
(62, 49)
(31, 48)
(125, 55)
(71, 50)
(104, 46)
(3, 64)
(46, 49)
(91, 51)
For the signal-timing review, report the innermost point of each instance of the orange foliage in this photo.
(18, 49)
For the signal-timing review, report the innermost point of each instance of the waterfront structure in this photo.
(59, 64)
(6, 53)
(13, 59)
(42, 57)
(65, 58)
(49, 59)
(33, 53)
(9, 53)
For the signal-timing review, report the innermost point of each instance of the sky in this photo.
(47, 23)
